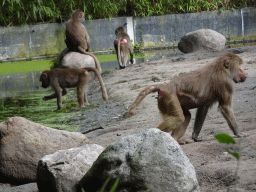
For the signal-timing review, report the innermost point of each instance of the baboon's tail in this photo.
(141, 96)
(103, 88)
(97, 63)
(119, 52)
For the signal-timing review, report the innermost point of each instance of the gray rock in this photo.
(31, 187)
(61, 171)
(147, 161)
(77, 60)
(23, 143)
(202, 39)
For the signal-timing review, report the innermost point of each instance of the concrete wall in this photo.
(48, 39)
(31, 40)
(168, 29)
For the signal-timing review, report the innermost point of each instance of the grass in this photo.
(253, 36)
(33, 108)
(242, 45)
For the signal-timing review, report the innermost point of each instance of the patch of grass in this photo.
(24, 66)
(242, 45)
(33, 108)
(253, 36)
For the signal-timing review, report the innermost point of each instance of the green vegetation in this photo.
(41, 65)
(242, 45)
(24, 66)
(226, 140)
(106, 58)
(34, 108)
(17, 12)
(231, 38)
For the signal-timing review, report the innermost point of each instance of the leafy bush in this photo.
(16, 12)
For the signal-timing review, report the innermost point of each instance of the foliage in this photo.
(34, 108)
(226, 139)
(16, 12)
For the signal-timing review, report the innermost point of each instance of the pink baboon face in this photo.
(240, 76)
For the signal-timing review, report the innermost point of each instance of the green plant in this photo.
(17, 12)
(141, 38)
(225, 139)
(55, 63)
(136, 46)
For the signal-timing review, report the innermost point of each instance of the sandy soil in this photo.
(215, 168)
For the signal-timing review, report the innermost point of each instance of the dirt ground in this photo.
(215, 168)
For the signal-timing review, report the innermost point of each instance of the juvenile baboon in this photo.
(197, 89)
(60, 79)
(77, 38)
(122, 45)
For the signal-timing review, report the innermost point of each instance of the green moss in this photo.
(253, 36)
(24, 66)
(106, 58)
(242, 45)
(60, 40)
(226, 14)
(49, 47)
(23, 52)
(150, 44)
(33, 108)
(41, 65)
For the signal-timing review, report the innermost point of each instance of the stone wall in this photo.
(48, 39)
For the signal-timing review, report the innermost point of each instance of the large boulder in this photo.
(147, 161)
(23, 143)
(202, 39)
(77, 60)
(61, 171)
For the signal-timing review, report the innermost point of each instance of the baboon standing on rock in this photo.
(77, 38)
(122, 45)
(197, 89)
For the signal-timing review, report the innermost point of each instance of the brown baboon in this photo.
(77, 38)
(122, 45)
(60, 79)
(197, 89)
